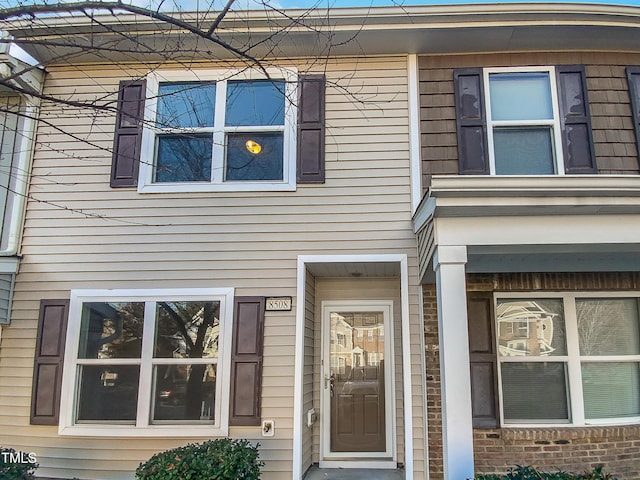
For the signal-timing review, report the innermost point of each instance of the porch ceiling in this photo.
(354, 269)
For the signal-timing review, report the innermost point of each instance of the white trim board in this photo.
(298, 420)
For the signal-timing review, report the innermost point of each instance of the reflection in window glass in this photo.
(520, 96)
(111, 330)
(255, 103)
(185, 105)
(266, 164)
(108, 392)
(611, 389)
(187, 329)
(534, 391)
(531, 328)
(608, 326)
(185, 392)
(183, 158)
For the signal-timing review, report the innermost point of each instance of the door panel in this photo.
(356, 381)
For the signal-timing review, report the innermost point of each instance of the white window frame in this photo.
(572, 359)
(218, 184)
(554, 124)
(143, 426)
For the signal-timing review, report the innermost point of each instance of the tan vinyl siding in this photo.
(612, 126)
(79, 233)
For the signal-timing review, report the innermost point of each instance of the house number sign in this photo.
(278, 303)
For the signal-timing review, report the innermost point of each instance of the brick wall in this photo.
(571, 448)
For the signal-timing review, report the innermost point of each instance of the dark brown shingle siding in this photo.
(612, 125)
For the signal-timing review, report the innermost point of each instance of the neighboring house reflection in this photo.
(525, 329)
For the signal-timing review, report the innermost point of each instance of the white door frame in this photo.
(298, 414)
(387, 458)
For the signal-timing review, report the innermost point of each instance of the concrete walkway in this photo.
(316, 473)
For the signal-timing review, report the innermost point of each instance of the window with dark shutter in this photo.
(471, 122)
(507, 123)
(128, 134)
(633, 77)
(575, 121)
(311, 125)
(482, 356)
(49, 357)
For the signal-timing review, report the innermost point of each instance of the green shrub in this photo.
(530, 473)
(16, 465)
(222, 459)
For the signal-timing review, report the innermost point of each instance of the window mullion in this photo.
(146, 367)
(217, 158)
(574, 368)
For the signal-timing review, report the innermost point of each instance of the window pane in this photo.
(611, 389)
(185, 392)
(530, 327)
(520, 96)
(111, 330)
(265, 164)
(523, 151)
(183, 158)
(608, 326)
(255, 103)
(108, 392)
(185, 105)
(534, 391)
(187, 329)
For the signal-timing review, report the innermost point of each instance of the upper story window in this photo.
(218, 132)
(524, 125)
(569, 358)
(523, 121)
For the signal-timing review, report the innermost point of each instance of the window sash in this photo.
(144, 424)
(553, 124)
(573, 360)
(219, 131)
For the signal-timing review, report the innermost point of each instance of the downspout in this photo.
(32, 80)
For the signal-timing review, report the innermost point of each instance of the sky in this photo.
(204, 4)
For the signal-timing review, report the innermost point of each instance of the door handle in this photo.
(328, 382)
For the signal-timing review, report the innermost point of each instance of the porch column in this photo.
(455, 379)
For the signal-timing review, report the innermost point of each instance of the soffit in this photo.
(354, 269)
(354, 31)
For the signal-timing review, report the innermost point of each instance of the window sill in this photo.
(558, 432)
(218, 187)
(184, 430)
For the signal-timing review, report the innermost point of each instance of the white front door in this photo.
(357, 384)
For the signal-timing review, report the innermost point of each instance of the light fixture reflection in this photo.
(253, 146)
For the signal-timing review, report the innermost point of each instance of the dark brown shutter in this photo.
(246, 361)
(311, 120)
(633, 77)
(575, 122)
(128, 134)
(49, 357)
(471, 122)
(482, 357)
